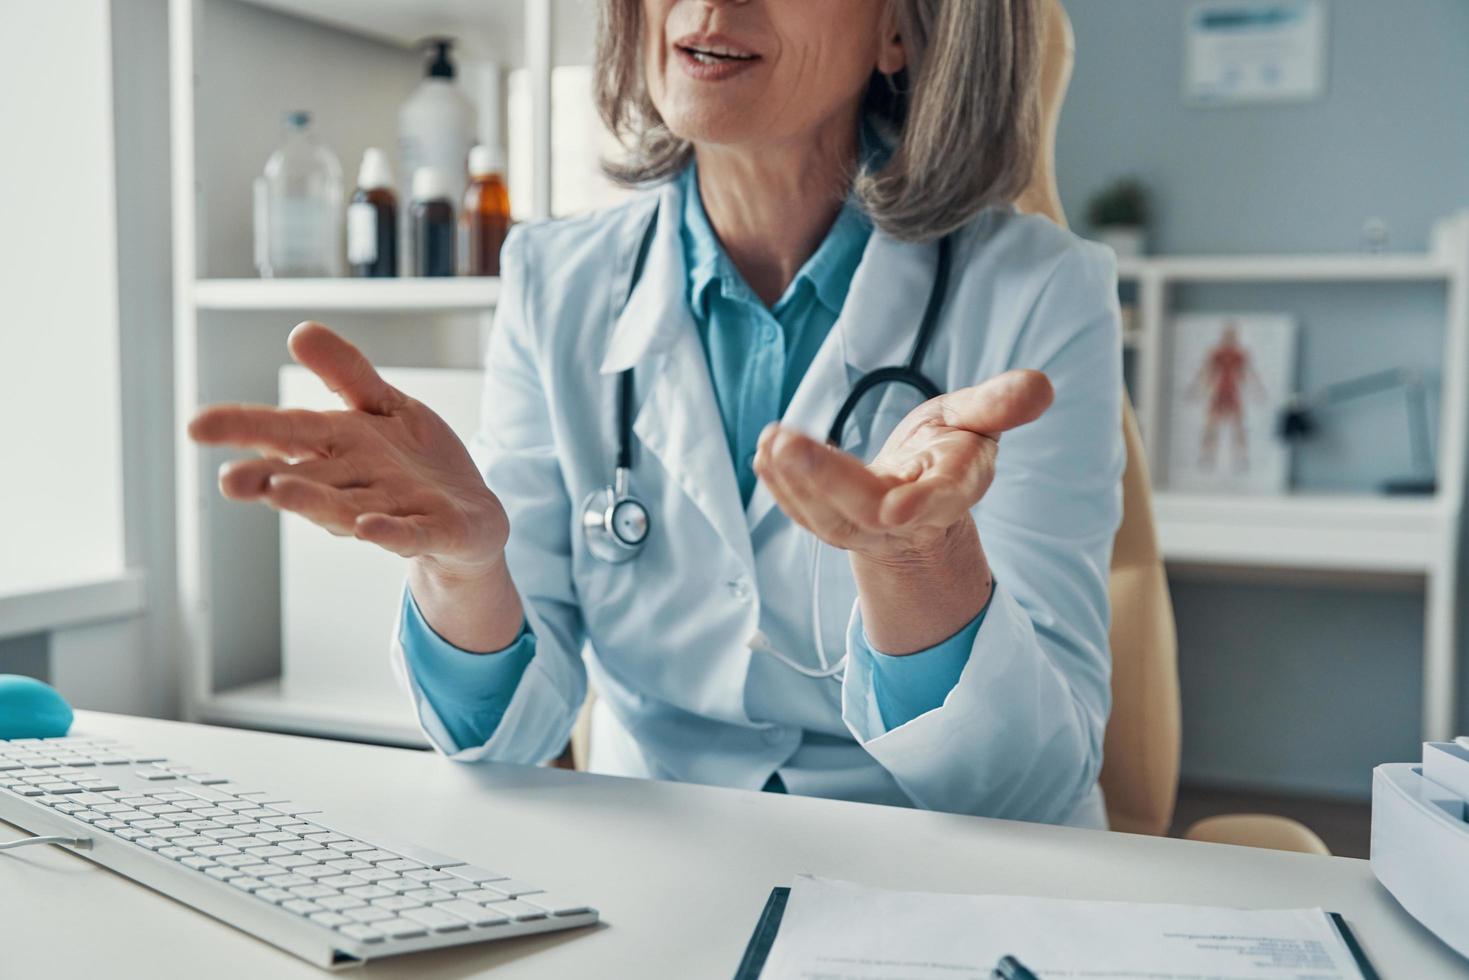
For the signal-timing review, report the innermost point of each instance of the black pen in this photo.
(1009, 968)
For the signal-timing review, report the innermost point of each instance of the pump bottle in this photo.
(435, 124)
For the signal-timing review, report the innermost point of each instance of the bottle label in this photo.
(361, 233)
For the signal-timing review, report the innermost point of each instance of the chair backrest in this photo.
(1141, 752)
(1140, 769)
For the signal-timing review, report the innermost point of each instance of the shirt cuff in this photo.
(910, 685)
(468, 691)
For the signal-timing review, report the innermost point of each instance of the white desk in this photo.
(679, 872)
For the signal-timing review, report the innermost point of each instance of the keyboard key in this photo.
(110, 825)
(221, 872)
(353, 847)
(555, 904)
(276, 895)
(429, 895)
(151, 823)
(237, 861)
(475, 875)
(152, 843)
(173, 833)
(217, 850)
(474, 914)
(436, 919)
(329, 919)
(313, 891)
(324, 854)
(195, 841)
(199, 826)
(396, 903)
(153, 775)
(227, 833)
(401, 865)
(267, 871)
(361, 933)
(348, 864)
(368, 891)
(512, 889)
(246, 884)
(127, 833)
(379, 876)
(301, 906)
(196, 862)
(327, 837)
(401, 928)
(317, 872)
(291, 861)
(426, 875)
(267, 851)
(174, 853)
(368, 915)
(277, 837)
(338, 903)
(454, 886)
(287, 881)
(519, 911)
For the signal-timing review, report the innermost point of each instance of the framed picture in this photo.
(1254, 51)
(1231, 376)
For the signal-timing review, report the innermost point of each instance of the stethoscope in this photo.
(616, 524)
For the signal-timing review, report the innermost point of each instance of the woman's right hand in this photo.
(386, 470)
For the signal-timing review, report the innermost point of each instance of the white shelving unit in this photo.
(1366, 534)
(232, 75)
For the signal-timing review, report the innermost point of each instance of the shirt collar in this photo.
(828, 271)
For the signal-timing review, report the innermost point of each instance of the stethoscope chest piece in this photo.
(615, 522)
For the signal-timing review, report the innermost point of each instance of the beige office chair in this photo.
(1141, 749)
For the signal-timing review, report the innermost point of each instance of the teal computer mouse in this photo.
(31, 709)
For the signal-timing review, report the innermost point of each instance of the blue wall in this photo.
(1290, 686)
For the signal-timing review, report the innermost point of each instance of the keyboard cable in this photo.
(80, 843)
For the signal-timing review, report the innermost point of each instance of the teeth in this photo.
(708, 54)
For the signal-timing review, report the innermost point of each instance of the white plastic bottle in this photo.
(435, 128)
(298, 206)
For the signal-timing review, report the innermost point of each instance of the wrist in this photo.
(914, 597)
(475, 608)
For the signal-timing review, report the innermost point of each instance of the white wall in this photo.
(60, 455)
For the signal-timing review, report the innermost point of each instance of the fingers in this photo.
(247, 479)
(331, 508)
(280, 431)
(1004, 402)
(829, 492)
(344, 369)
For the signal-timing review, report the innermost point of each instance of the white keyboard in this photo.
(276, 870)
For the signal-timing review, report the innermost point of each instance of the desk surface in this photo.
(679, 872)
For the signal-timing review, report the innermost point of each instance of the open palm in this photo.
(385, 470)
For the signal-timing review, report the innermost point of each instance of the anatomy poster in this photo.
(1232, 375)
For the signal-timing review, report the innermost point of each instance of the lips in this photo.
(713, 56)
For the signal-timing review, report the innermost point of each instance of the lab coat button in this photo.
(739, 588)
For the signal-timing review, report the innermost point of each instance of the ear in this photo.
(891, 56)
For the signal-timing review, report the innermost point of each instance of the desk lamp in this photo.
(1298, 420)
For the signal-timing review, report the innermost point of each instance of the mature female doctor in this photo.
(916, 618)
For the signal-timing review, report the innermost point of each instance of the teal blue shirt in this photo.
(757, 356)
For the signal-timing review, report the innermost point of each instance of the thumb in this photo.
(343, 367)
(1004, 402)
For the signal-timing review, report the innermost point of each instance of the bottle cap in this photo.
(430, 184)
(374, 172)
(485, 160)
(440, 66)
(298, 118)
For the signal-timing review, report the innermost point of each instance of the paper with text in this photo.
(836, 930)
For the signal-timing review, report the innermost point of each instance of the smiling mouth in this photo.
(714, 54)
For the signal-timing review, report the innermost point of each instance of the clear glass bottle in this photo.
(298, 206)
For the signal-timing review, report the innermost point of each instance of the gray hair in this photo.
(962, 119)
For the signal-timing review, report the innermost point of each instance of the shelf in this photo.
(267, 705)
(1287, 268)
(50, 606)
(409, 295)
(1307, 531)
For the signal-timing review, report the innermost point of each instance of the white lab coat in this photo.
(666, 636)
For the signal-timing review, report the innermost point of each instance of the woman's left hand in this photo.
(934, 467)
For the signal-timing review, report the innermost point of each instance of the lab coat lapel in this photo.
(877, 327)
(678, 420)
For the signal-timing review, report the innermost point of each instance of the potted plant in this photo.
(1119, 215)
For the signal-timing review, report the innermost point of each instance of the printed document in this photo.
(835, 930)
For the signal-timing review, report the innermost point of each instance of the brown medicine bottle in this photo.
(372, 220)
(485, 218)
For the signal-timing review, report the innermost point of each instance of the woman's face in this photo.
(732, 72)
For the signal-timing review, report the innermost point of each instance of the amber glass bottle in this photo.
(485, 218)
